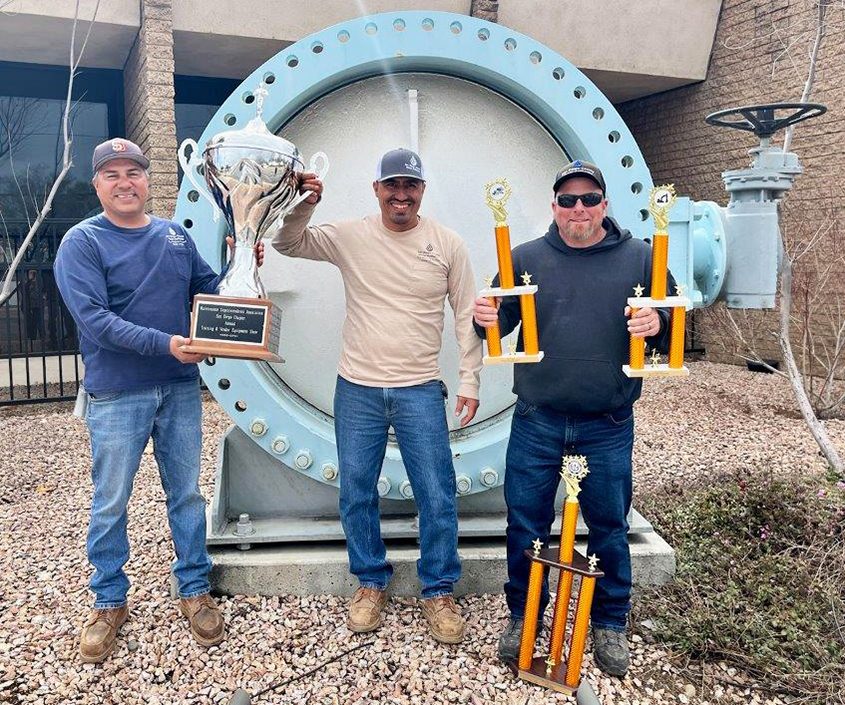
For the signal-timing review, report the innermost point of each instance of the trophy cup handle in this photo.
(319, 165)
(189, 167)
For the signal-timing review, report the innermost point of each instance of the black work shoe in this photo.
(511, 639)
(610, 651)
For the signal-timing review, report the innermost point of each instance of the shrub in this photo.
(760, 580)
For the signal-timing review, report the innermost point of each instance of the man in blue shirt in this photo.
(127, 279)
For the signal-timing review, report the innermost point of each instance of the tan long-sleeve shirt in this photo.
(395, 284)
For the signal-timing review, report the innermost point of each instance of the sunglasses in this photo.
(568, 200)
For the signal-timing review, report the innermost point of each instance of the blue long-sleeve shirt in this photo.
(129, 290)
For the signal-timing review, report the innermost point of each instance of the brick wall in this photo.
(149, 95)
(760, 55)
(485, 10)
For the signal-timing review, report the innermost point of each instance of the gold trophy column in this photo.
(573, 470)
(637, 345)
(579, 628)
(494, 337)
(532, 610)
(676, 339)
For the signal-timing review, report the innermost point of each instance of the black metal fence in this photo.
(39, 354)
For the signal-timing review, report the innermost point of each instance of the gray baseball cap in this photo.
(580, 168)
(400, 162)
(118, 148)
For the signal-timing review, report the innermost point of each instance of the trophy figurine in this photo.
(253, 178)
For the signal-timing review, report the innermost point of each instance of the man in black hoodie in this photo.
(577, 400)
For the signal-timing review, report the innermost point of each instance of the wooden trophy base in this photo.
(539, 672)
(241, 328)
(555, 679)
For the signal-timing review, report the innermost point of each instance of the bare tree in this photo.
(20, 118)
(8, 285)
(795, 377)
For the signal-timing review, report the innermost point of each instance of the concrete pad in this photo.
(308, 569)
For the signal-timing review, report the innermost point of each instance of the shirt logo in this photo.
(429, 254)
(175, 238)
(117, 146)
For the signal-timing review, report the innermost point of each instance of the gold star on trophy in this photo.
(593, 562)
(638, 290)
(655, 358)
(526, 278)
(573, 469)
(550, 664)
(537, 546)
(680, 289)
(488, 281)
(512, 348)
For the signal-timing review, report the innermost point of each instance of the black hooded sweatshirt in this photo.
(581, 299)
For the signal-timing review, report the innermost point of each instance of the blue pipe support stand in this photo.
(568, 105)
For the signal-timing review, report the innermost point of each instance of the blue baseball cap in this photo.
(400, 162)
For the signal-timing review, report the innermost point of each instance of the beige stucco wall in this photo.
(658, 37)
(38, 31)
(629, 49)
(287, 20)
(229, 38)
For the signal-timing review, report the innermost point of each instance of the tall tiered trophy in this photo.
(553, 669)
(253, 177)
(660, 203)
(497, 194)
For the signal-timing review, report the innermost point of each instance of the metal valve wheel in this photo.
(762, 120)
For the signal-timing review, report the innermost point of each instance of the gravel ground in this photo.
(721, 419)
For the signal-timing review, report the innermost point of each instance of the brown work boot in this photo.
(100, 633)
(444, 619)
(365, 609)
(204, 616)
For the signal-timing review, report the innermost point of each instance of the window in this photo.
(32, 101)
(197, 100)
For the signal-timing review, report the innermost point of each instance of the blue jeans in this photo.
(418, 416)
(120, 425)
(539, 437)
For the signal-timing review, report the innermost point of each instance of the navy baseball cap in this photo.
(117, 148)
(400, 162)
(580, 168)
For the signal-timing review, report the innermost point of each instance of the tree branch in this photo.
(811, 72)
(816, 428)
(8, 286)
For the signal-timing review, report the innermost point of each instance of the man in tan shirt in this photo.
(397, 269)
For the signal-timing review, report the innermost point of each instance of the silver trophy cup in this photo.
(253, 177)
